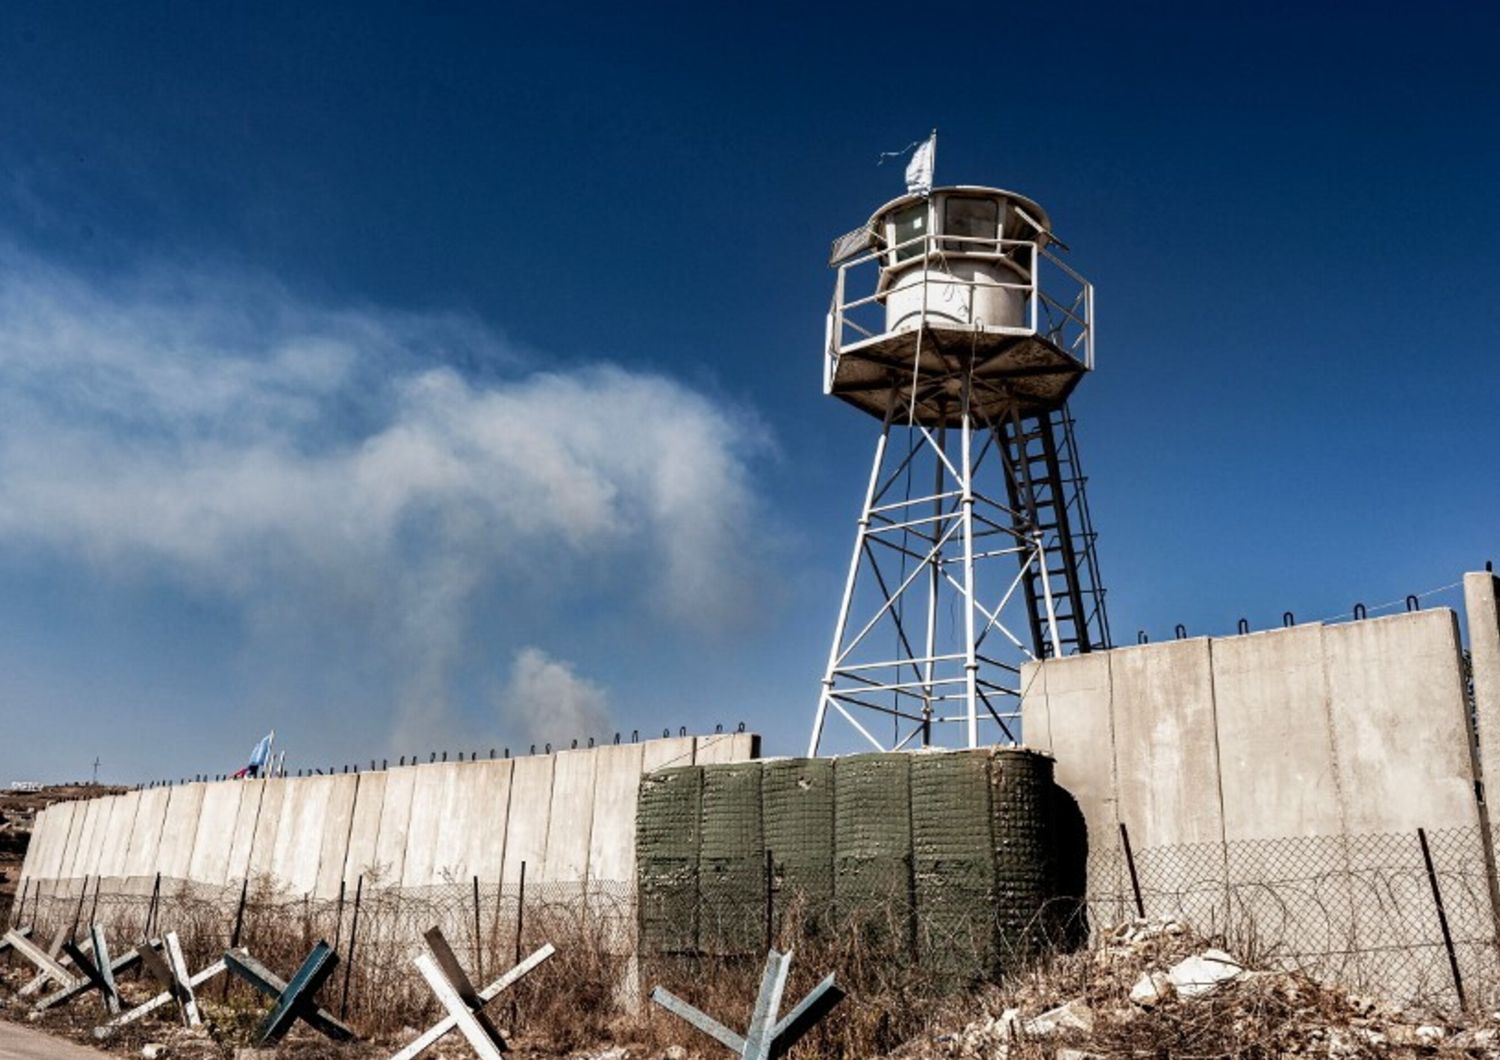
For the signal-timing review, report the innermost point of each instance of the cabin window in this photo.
(975, 218)
(909, 224)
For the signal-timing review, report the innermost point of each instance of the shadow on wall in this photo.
(1071, 851)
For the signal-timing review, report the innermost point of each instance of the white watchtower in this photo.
(955, 324)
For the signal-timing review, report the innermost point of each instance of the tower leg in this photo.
(826, 698)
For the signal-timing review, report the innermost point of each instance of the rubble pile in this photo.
(1154, 989)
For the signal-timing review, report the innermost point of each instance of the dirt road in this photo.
(22, 1043)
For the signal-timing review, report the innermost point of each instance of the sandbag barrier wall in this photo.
(962, 861)
(569, 816)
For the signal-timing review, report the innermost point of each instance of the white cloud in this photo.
(227, 435)
(545, 701)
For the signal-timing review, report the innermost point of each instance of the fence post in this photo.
(78, 913)
(94, 909)
(515, 1014)
(478, 942)
(151, 909)
(1442, 913)
(1135, 880)
(359, 890)
(770, 903)
(239, 923)
(338, 927)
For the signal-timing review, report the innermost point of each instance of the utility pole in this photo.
(96, 770)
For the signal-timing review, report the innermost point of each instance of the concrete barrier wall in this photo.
(569, 817)
(1309, 731)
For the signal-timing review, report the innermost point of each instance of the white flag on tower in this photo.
(919, 169)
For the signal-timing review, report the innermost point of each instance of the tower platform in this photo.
(1022, 373)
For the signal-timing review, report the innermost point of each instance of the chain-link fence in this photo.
(1377, 914)
(1363, 912)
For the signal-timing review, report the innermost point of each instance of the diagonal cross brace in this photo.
(767, 1037)
(45, 962)
(463, 1003)
(294, 1000)
(55, 952)
(123, 963)
(99, 977)
(144, 1009)
(5, 943)
(170, 970)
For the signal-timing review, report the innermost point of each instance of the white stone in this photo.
(1008, 1025)
(1199, 975)
(1151, 988)
(1074, 1016)
(153, 1050)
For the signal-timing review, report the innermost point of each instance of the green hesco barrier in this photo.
(953, 859)
(953, 862)
(1021, 803)
(797, 796)
(669, 812)
(731, 861)
(872, 845)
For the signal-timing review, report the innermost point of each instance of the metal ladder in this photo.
(1045, 486)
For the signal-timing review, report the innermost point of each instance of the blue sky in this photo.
(380, 372)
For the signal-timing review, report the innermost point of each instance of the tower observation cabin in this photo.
(956, 285)
(958, 326)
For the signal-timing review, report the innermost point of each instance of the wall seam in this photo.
(1476, 768)
(349, 834)
(1213, 709)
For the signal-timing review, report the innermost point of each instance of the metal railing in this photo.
(1058, 303)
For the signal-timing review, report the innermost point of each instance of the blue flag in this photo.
(258, 756)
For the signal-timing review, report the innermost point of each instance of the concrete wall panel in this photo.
(1400, 733)
(617, 780)
(486, 818)
(117, 835)
(395, 821)
(267, 827)
(715, 749)
(1482, 607)
(145, 833)
(180, 831)
(79, 866)
(364, 829)
(1270, 696)
(1067, 713)
(237, 868)
(69, 821)
(216, 827)
(34, 866)
(668, 752)
(299, 837)
(338, 823)
(95, 856)
(571, 818)
(1166, 753)
(530, 814)
(432, 802)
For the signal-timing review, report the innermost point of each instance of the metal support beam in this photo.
(464, 1004)
(294, 1000)
(767, 1038)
